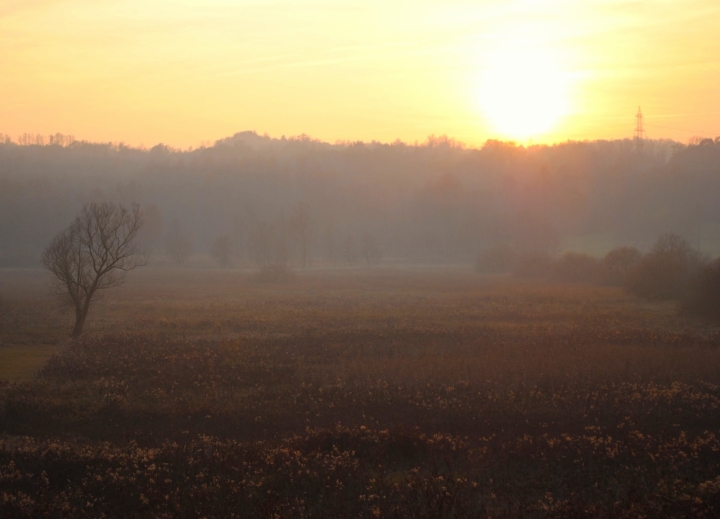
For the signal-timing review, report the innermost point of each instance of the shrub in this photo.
(665, 272)
(221, 251)
(274, 273)
(533, 265)
(496, 260)
(616, 264)
(703, 295)
(575, 267)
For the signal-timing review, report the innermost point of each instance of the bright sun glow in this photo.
(523, 92)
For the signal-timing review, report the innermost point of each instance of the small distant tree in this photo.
(495, 260)
(152, 231)
(535, 264)
(703, 295)
(94, 254)
(665, 272)
(370, 249)
(241, 234)
(269, 246)
(329, 243)
(177, 245)
(302, 228)
(349, 249)
(222, 251)
(260, 244)
(573, 267)
(617, 263)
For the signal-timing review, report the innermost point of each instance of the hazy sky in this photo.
(181, 72)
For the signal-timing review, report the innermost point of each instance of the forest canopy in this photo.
(436, 201)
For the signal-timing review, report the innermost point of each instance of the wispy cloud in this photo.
(10, 7)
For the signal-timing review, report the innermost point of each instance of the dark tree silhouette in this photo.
(302, 227)
(665, 272)
(222, 251)
(617, 263)
(94, 253)
(177, 244)
(370, 249)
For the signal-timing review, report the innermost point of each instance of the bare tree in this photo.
(94, 253)
(370, 249)
(178, 245)
(240, 237)
(269, 244)
(152, 233)
(302, 227)
(349, 249)
(329, 243)
(222, 251)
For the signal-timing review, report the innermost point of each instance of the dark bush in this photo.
(274, 273)
(496, 260)
(616, 264)
(703, 295)
(665, 272)
(533, 265)
(574, 267)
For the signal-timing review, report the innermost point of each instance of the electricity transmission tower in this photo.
(639, 130)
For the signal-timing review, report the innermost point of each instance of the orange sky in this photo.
(182, 72)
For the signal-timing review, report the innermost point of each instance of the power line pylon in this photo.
(639, 130)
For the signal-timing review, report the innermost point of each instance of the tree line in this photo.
(268, 202)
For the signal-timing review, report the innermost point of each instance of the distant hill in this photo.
(433, 201)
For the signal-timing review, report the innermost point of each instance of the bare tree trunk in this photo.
(79, 323)
(77, 330)
(301, 225)
(81, 313)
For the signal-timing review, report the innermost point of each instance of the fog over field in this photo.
(431, 202)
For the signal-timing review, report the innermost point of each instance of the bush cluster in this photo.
(672, 270)
(571, 267)
(666, 271)
(703, 296)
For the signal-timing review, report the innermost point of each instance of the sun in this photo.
(523, 92)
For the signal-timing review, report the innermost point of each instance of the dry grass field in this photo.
(414, 392)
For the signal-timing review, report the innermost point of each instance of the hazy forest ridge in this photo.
(432, 202)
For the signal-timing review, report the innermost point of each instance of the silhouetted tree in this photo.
(241, 231)
(573, 267)
(617, 263)
(153, 228)
(350, 249)
(703, 295)
(222, 251)
(269, 244)
(329, 243)
(302, 227)
(93, 254)
(178, 245)
(496, 260)
(664, 273)
(536, 264)
(370, 249)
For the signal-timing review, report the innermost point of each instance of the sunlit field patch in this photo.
(370, 393)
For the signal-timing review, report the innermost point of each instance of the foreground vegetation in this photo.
(369, 393)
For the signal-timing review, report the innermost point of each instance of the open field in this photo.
(411, 392)
(21, 362)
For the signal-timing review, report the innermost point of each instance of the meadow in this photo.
(365, 392)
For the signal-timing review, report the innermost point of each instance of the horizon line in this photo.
(432, 140)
